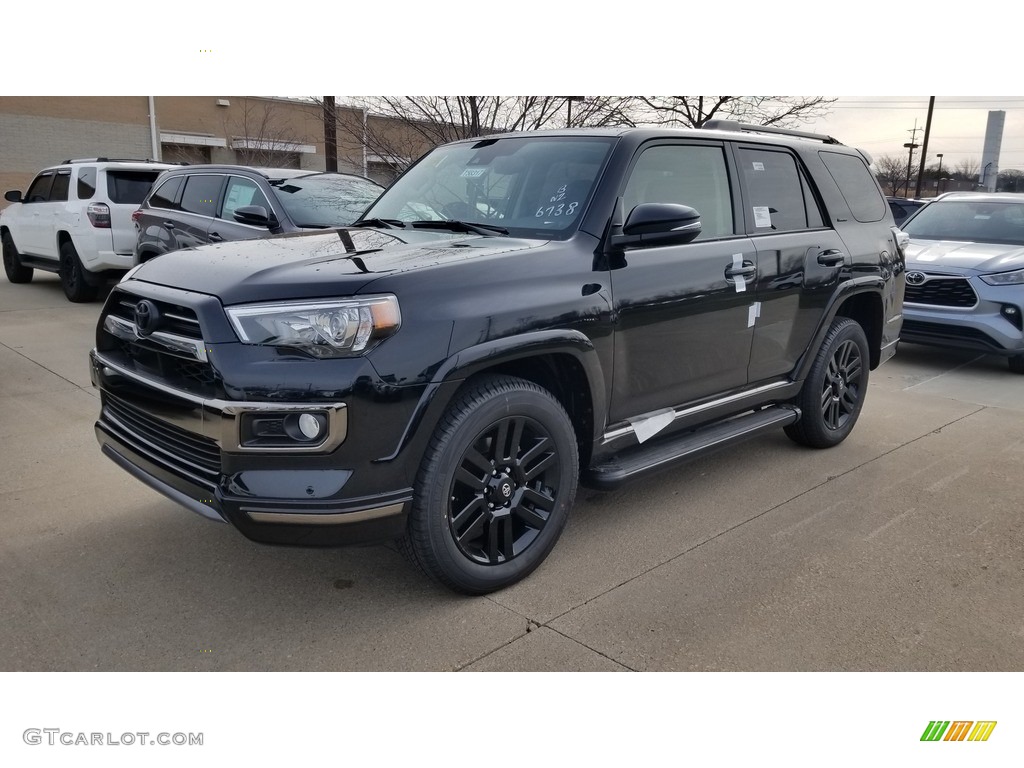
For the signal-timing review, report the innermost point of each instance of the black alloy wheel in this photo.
(833, 393)
(495, 488)
(15, 270)
(72, 275)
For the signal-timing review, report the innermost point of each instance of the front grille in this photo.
(148, 356)
(940, 332)
(942, 292)
(196, 457)
(174, 318)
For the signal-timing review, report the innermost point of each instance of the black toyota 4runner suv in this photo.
(517, 314)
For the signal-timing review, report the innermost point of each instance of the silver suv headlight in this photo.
(1005, 278)
(341, 328)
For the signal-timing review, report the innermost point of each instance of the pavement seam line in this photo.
(944, 373)
(36, 362)
(731, 528)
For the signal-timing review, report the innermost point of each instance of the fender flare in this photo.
(868, 284)
(472, 360)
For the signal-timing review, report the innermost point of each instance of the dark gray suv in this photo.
(201, 204)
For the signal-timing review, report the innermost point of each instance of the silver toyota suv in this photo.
(965, 275)
(76, 220)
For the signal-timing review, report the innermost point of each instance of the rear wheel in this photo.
(833, 394)
(1016, 363)
(72, 275)
(16, 271)
(495, 487)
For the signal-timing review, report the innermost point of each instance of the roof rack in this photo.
(116, 160)
(732, 125)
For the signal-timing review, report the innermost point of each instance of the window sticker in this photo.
(762, 216)
(758, 166)
(473, 173)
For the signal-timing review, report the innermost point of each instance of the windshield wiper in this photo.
(461, 226)
(380, 223)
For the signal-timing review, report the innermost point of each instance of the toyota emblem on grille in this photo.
(916, 278)
(147, 317)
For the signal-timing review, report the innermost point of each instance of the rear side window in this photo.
(166, 193)
(129, 187)
(858, 186)
(61, 183)
(780, 199)
(200, 195)
(86, 183)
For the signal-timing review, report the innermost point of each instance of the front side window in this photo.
(39, 190)
(527, 186)
(241, 192)
(779, 199)
(200, 195)
(693, 175)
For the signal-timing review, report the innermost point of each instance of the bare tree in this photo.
(892, 173)
(695, 111)
(1010, 180)
(967, 170)
(262, 134)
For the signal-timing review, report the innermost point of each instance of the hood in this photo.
(314, 265)
(962, 256)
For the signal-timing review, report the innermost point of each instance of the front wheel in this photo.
(833, 394)
(16, 271)
(72, 275)
(495, 487)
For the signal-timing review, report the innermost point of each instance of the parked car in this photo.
(515, 315)
(902, 207)
(965, 274)
(75, 220)
(201, 204)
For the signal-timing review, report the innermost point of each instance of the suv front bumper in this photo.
(188, 449)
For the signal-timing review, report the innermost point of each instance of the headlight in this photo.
(323, 329)
(1005, 278)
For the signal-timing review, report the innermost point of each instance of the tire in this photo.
(833, 394)
(16, 271)
(72, 275)
(1016, 363)
(495, 486)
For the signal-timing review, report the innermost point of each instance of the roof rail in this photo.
(733, 125)
(116, 160)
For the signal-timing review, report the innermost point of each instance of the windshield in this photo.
(982, 221)
(325, 200)
(528, 187)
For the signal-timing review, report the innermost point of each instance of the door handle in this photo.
(831, 258)
(215, 238)
(168, 225)
(746, 269)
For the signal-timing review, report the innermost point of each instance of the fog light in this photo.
(309, 426)
(1013, 314)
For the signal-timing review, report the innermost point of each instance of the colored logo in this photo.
(958, 730)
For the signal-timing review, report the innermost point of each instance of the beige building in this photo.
(40, 131)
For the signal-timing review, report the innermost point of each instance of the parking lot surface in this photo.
(898, 550)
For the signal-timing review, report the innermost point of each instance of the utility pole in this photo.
(330, 135)
(924, 149)
(910, 160)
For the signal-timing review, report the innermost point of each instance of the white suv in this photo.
(76, 220)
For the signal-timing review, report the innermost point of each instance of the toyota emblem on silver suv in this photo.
(916, 278)
(147, 316)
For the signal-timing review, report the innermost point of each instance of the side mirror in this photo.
(14, 196)
(255, 215)
(659, 224)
